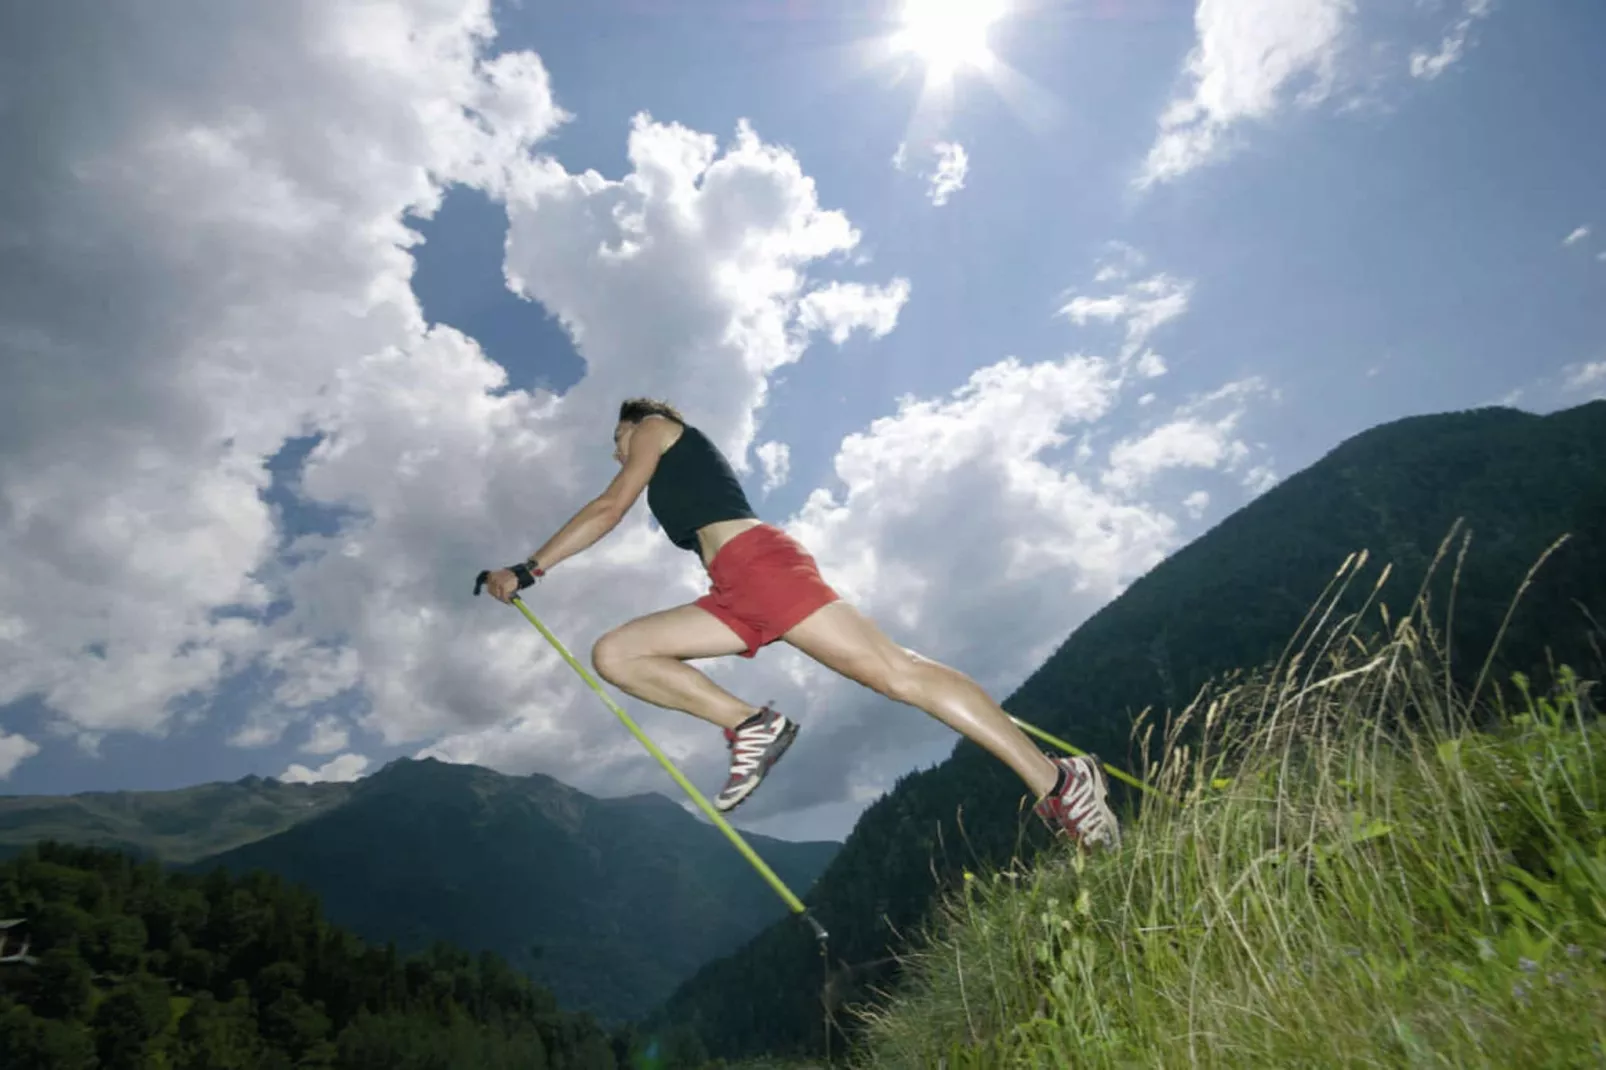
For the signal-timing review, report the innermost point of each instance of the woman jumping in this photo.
(765, 586)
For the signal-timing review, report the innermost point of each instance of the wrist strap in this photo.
(527, 572)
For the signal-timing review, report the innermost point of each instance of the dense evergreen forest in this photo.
(132, 966)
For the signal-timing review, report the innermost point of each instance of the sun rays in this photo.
(945, 43)
(948, 36)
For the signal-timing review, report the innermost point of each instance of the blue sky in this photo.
(1048, 381)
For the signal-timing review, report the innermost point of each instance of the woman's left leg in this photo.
(646, 658)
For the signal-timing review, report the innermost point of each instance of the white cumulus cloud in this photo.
(1587, 378)
(1576, 236)
(327, 736)
(203, 247)
(840, 308)
(1140, 307)
(1252, 58)
(14, 750)
(949, 178)
(945, 172)
(347, 767)
(776, 459)
(1201, 434)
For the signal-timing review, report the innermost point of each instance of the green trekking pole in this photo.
(703, 804)
(1125, 777)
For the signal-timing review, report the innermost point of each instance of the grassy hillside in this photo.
(176, 826)
(1229, 600)
(609, 902)
(1347, 872)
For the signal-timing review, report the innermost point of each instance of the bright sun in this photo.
(948, 34)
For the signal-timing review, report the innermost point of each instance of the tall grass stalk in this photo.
(1355, 864)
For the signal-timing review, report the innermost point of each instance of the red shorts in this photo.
(763, 584)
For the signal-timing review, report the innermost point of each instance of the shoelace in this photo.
(748, 747)
(1079, 807)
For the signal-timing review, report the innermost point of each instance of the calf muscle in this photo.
(847, 642)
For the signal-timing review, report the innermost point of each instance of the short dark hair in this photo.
(635, 410)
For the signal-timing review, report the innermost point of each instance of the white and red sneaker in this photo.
(1076, 807)
(755, 745)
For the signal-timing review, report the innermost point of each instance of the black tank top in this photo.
(694, 486)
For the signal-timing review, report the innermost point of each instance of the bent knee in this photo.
(609, 655)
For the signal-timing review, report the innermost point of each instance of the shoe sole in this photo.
(782, 744)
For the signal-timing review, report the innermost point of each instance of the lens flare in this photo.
(948, 35)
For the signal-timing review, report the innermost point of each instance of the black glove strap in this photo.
(526, 572)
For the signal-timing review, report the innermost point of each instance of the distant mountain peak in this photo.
(653, 799)
(440, 771)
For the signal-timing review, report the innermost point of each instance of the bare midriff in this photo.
(711, 537)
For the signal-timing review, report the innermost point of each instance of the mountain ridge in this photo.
(607, 902)
(176, 824)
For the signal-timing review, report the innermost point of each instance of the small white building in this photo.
(15, 939)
